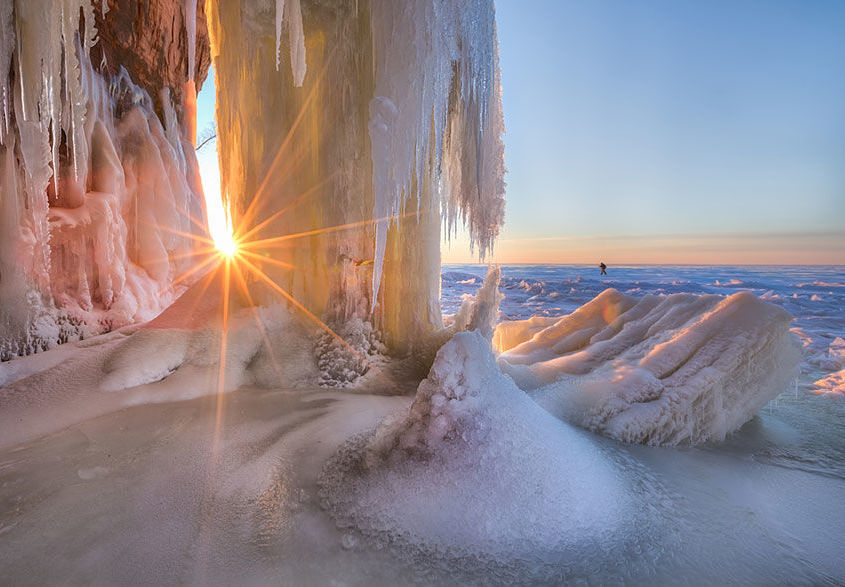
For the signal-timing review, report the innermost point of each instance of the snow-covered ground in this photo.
(105, 479)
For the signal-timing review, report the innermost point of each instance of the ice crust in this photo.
(674, 369)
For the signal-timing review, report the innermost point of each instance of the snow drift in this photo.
(671, 369)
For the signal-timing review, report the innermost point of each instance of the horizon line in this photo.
(628, 264)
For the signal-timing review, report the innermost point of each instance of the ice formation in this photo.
(461, 473)
(397, 125)
(96, 205)
(480, 311)
(673, 369)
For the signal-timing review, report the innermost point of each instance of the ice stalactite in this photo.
(297, 42)
(396, 128)
(7, 47)
(280, 16)
(191, 30)
(296, 36)
(96, 197)
(442, 82)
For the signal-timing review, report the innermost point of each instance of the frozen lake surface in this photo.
(815, 296)
(264, 485)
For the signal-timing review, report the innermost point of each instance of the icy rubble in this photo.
(833, 361)
(96, 212)
(673, 369)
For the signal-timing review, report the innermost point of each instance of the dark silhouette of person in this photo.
(603, 268)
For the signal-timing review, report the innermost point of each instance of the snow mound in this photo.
(673, 369)
(477, 470)
(263, 346)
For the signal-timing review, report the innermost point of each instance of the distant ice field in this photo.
(815, 296)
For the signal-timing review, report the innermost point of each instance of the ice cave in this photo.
(277, 396)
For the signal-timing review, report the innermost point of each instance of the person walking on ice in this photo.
(603, 268)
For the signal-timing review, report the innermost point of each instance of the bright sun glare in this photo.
(219, 215)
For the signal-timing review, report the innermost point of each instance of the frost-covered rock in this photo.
(670, 369)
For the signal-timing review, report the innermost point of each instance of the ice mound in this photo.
(477, 470)
(167, 361)
(673, 369)
(833, 383)
(833, 361)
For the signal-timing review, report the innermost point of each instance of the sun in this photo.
(225, 244)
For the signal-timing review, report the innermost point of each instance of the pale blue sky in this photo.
(632, 122)
(673, 117)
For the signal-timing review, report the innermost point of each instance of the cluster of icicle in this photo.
(90, 204)
(437, 110)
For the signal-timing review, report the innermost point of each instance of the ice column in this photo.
(397, 122)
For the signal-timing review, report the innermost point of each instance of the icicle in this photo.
(443, 76)
(297, 42)
(70, 252)
(280, 14)
(296, 36)
(7, 47)
(75, 98)
(191, 29)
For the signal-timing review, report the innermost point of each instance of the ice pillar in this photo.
(384, 122)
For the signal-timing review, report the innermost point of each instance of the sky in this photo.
(670, 131)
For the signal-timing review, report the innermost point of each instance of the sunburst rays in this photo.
(242, 254)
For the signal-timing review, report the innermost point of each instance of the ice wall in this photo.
(388, 119)
(674, 369)
(96, 208)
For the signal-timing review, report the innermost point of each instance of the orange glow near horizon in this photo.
(704, 249)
